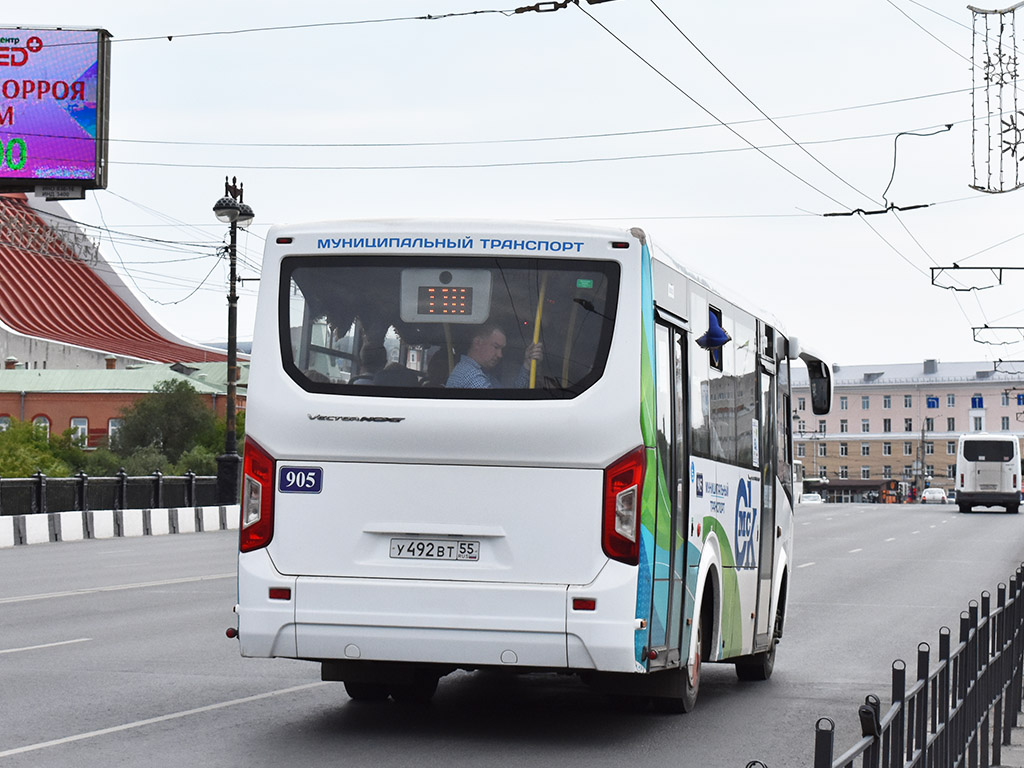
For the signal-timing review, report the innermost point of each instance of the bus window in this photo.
(425, 313)
(988, 450)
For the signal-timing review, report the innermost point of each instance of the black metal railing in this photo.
(40, 494)
(959, 714)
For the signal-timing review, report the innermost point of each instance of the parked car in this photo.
(810, 498)
(933, 496)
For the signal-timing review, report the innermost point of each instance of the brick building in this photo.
(901, 422)
(90, 403)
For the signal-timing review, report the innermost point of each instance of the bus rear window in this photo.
(446, 327)
(988, 450)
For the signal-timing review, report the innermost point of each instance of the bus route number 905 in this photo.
(301, 480)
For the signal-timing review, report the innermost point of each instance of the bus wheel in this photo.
(417, 693)
(362, 691)
(757, 666)
(688, 683)
(1013, 509)
(964, 508)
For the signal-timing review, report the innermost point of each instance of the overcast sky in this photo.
(448, 105)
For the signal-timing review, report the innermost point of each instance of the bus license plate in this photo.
(435, 549)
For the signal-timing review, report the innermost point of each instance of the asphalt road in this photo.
(112, 653)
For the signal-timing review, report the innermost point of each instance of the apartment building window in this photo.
(951, 471)
(908, 425)
(801, 425)
(929, 449)
(950, 424)
(865, 473)
(887, 401)
(1005, 399)
(844, 403)
(865, 425)
(1005, 423)
(908, 401)
(887, 449)
(865, 402)
(887, 472)
(801, 451)
(950, 448)
(844, 449)
(113, 425)
(865, 449)
(977, 424)
(906, 471)
(951, 401)
(5, 423)
(908, 449)
(929, 425)
(43, 423)
(887, 425)
(843, 426)
(929, 469)
(801, 403)
(821, 426)
(844, 472)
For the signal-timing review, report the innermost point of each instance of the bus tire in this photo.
(757, 666)
(688, 683)
(1013, 509)
(363, 691)
(964, 508)
(418, 692)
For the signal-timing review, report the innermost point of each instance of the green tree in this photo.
(172, 420)
(25, 449)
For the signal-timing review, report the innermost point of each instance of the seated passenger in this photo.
(372, 359)
(474, 369)
(396, 375)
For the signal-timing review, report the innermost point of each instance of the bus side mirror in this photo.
(820, 377)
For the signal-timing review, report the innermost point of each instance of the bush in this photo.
(200, 460)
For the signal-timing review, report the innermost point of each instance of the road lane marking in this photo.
(805, 565)
(153, 720)
(114, 588)
(45, 645)
(854, 551)
(891, 538)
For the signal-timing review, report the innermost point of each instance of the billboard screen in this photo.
(54, 85)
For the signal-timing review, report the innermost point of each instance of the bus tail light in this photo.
(257, 526)
(620, 525)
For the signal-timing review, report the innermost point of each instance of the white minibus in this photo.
(988, 472)
(530, 447)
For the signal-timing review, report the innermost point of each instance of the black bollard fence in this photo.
(959, 714)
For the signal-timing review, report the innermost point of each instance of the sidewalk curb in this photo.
(20, 530)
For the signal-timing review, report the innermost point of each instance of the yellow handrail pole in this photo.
(536, 328)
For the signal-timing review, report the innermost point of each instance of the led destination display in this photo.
(54, 85)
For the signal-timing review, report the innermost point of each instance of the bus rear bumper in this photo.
(459, 624)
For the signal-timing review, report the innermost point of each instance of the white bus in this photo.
(616, 502)
(988, 472)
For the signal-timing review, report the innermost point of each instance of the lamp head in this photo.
(227, 210)
(245, 215)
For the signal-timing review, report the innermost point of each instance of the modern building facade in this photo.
(901, 422)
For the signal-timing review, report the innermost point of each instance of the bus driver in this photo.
(473, 371)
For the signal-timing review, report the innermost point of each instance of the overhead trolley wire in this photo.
(752, 103)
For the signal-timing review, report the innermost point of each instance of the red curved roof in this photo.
(47, 292)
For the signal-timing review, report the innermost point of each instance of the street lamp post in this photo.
(231, 210)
